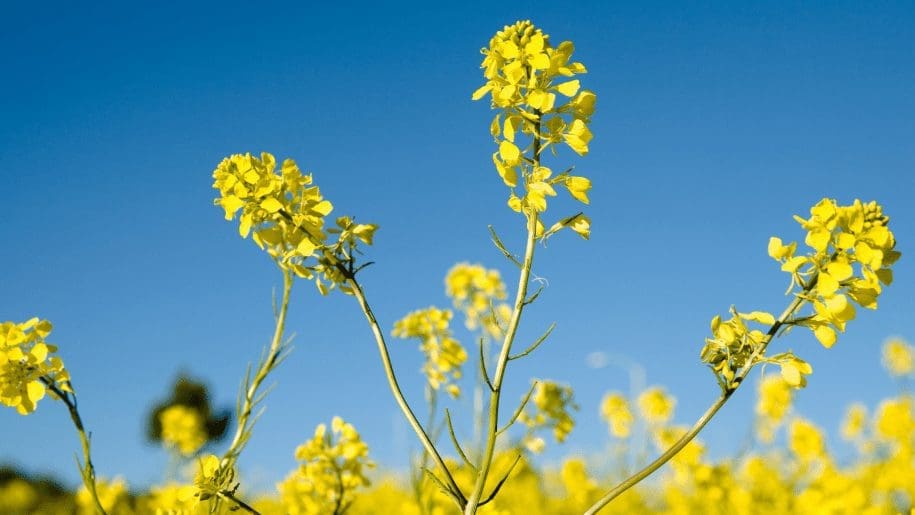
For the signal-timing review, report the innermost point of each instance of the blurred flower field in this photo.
(787, 469)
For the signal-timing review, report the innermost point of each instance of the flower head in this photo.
(28, 366)
(541, 105)
(444, 354)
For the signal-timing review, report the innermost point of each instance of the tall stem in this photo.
(273, 354)
(495, 395)
(631, 481)
(88, 470)
(398, 394)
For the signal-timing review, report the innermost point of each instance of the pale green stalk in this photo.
(427, 443)
(726, 394)
(87, 471)
(496, 391)
(251, 397)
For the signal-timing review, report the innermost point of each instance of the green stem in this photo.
(273, 354)
(631, 481)
(88, 470)
(495, 395)
(228, 495)
(456, 493)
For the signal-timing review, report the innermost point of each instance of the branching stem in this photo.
(398, 394)
(726, 394)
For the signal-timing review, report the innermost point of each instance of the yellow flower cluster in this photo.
(550, 407)
(28, 365)
(113, 495)
(656, 406)
(898, 357)
(615, 410)
(333, 467)
(173, 499)
(444, 354)
(524, 73)
(734, 347)
(183, 429)
(806, 440)
(772, 405)
(852, 251)
(284, 214)
(212, 479)
(476, 291)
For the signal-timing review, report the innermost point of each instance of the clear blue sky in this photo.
(715, 123)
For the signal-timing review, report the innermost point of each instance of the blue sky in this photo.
(715, 123)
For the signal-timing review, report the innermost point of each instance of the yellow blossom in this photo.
(183, 429)
(550, 407)
(615, 410)
(333, 466)
(533, 85)
(855, 421)
(806, 440)
(444, 354)
(898, 357)
(656, 406)
(28, 365)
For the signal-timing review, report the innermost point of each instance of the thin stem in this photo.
(496, 393)
(251, 396)
(87, 471)
(229, 495)
(492, 428)
(398, 394)
(687, 437)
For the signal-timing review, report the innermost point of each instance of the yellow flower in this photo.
(333, 466)
(525, 76)
(549, 407)
(656, 406)
(806, 440)
(615, 410)
(27, 365)
(855, 421)
(898, 357)
(477, 291)
(284, 214)
(112, 494)
(895, 419)
(183, 429)
(775, 397)
(171, 498)
(212, 478)
(444, 354)
(852, 251)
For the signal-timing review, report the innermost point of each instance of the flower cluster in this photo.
(656, 406)
(476, 291)
(524, 73)
(550, 408)
(285, 214)
(852, 252)
(113, 496)
(444, 354)
(28, 365)
(772, 405)
(734, 347)
(333, 467)
(898, 357)
(183, 429)
(615, 410)
(213, 479)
